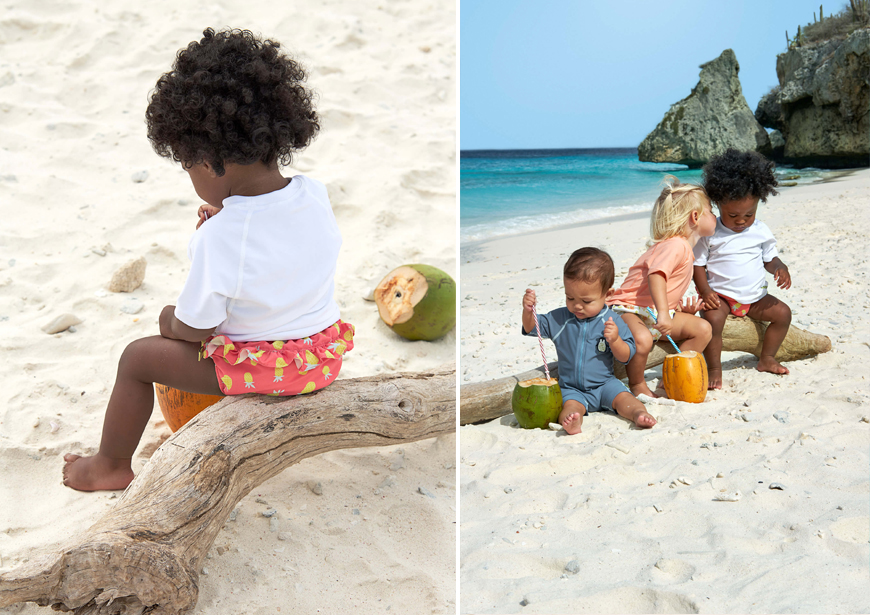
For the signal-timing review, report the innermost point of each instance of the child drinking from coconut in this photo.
(730, 265)
(682, 214)
(588, 335)
(256, 314)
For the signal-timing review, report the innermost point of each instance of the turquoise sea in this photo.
(505, 192)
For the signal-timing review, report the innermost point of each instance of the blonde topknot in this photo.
(674, 207)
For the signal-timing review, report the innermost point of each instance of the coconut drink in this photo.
(417, 301)
(537, 403)
(684, 376)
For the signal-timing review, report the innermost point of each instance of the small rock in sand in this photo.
(782, 417)
(269, 513)
(273, 524)
(132, 306)
(779, 486)
(315, 487)
(423, 491)
(139, 176)
(573, 566)
(129, 277)
(61, 323)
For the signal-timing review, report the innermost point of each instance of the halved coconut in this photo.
(537, 403)
(417, 301)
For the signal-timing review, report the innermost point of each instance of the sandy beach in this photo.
(82, 193)
(621, 520)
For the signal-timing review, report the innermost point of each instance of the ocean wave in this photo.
(541, 222)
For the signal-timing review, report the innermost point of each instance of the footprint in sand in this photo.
(852, 529)
(672, 571)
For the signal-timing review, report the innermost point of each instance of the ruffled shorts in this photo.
(289, 367)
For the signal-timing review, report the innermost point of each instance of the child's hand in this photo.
(711, 300)
(205, 212)
(782, 277)
(611, 331)
(529, 300)
(664, 323)
(690, 305)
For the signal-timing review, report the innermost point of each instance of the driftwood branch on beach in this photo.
(144, 555)
(483, 401)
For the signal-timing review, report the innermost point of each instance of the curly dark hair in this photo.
(231, 98)
(735, 175)
(590, 265)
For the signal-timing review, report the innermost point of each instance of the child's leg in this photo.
(778, 314)
(571, 417)
(635, 368)
(144, 362)
(629, 407)
(713, 352)
(691, 332)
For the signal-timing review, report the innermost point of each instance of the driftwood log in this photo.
(144, 555)
(483, 401)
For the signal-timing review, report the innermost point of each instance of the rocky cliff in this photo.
(822, 103)
(711, 119)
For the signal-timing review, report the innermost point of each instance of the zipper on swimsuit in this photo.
(582, 352)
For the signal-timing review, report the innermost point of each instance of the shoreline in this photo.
(617, 519)
(471, 247)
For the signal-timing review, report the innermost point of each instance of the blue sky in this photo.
(562, 74)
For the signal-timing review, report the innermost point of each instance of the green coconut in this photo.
(537, 403)
(417, 301)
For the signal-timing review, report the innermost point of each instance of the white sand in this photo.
(610, 498)
(74, 84)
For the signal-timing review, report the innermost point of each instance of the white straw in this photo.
(540, 341)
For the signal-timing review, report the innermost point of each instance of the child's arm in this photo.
(780, 272)
(620, 349)
(711, 299)
(529, 300)
(205, 212)
(658, 288)
(174, 329)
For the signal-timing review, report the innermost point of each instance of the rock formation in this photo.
(822, 103)
(714, 117)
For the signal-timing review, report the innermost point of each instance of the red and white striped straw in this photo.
(541, 342)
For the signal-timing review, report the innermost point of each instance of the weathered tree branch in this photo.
(144, 555)
(482, 401)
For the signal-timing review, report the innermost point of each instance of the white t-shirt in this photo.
(262, 269)
(735, 261)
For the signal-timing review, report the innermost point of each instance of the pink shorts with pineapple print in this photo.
(282, 368)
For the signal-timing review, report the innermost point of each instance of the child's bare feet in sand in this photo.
(571, 417)
(714, 378)
(628, 407)
(573, 423)
(97, 473)
(643, 419)
(769, 364)
(641, 389)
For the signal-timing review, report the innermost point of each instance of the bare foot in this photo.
(641, 389)
(715, 378)
(643, 419)
(572, 423)
(769, 364)
(96, 473)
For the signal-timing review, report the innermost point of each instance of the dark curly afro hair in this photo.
(231, 98)
(735, 175)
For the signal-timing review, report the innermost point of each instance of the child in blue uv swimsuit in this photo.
(588, 335)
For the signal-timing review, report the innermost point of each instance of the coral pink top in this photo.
(673, 259)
